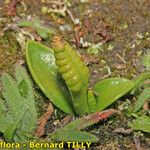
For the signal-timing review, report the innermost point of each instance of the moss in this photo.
(41, 101)
(9, 42)
(9, 51)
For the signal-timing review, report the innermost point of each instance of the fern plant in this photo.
(18, 116)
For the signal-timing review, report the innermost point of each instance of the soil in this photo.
(120, 26)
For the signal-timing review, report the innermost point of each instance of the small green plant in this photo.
(41, 30)
(63, 77)
(142, 121)
(95, 48)
(145, 94)
(18, 116)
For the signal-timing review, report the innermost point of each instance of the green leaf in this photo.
(73, 136)
(5, 121)
(41, 30)
(23, 89)
(36, 23)
(41, 63)
(146, 60)
(2, 107)
(10, 131)
(141, 78)
(29, 121)
(25, 84)
(71, 131)
(142, 123)
(111, 89)
(5, 118)
(25, 24)
(91, 101)
(143, 97)
(20, 117)
(12, 97)
(89, 120)
(42, 33)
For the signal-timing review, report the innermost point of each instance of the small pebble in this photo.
(56, 122)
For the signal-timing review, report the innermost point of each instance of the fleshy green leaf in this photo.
(144, 96)
(73, 136)
(41, 63)
(142, 123)
(111, 89)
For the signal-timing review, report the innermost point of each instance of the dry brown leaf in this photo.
(42, 121)
(123, 131)
(146, 105)
(89, 59)
(65, 120)
(11, 9)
